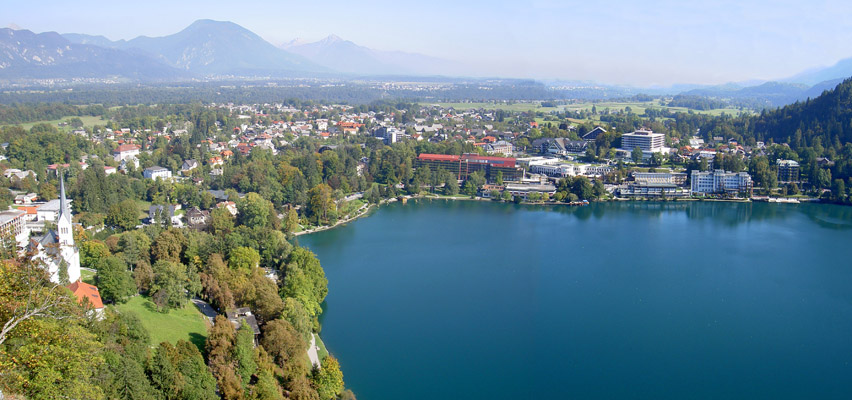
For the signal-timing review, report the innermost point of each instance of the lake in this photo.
(476, 300)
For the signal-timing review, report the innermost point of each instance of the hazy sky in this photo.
(651, 42)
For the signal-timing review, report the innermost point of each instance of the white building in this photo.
(50, 211)
(646, 140)
(126, 152)
(524, 190)
(12, 227)
(500, 147)
(57, 248)
(555, 168)
(156, 172)
(720, 181)
(662, 178)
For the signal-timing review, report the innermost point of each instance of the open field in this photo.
(520, 107)
(185, 323)
(88, 121)
(637, 107)
(144, 208)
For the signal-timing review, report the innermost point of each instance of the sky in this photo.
(639, 43)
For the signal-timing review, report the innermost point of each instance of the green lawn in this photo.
(144, 207)
(637, 107)
(87, 276)
(88, 121)
(521, 107)
(350, 206)
(322, 352)
(186, 323)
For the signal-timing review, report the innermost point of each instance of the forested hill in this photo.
(827, 118)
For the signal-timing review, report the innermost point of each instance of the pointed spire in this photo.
(63, 203)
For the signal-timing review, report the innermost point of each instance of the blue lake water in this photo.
(474, 300)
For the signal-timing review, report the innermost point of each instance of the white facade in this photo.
(660, 178)
(523, 190)
(50, 211)
(500, 147)
(554, 168)
(157, 172)
(57, 249)
(720, 181)
(126, 152)
(648, 141)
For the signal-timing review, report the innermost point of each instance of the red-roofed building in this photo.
(126, 151)
(88, 293)
(462, 166)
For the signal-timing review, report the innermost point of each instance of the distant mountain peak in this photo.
(13, 26)
(295, 42)
(349, 57)
(332, 39)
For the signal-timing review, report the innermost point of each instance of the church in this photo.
(57, 248)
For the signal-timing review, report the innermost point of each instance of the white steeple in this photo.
(63, 225)
(68, 252)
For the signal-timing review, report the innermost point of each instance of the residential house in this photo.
(593, 134)
(157, 172)
(228, 205)
(197, 219)
(158, 213)
(239, 316)
(26, 198)
(89, 296)
(126, 152)
(188, 166)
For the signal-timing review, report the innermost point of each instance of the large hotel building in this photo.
(466, 164)
(646, 140)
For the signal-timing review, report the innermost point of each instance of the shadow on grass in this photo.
(198, 340)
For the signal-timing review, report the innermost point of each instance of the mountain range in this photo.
(209, 49)
(27, 55)
(347, 57)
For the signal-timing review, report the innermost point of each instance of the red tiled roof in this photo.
(502, 161)
(29, 210)
(127, 147)
(84, 290)
(438, 157)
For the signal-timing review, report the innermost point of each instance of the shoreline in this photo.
(360, 213)
(364, 210)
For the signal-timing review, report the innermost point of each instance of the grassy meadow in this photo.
(186, 323)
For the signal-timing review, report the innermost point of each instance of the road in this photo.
(312, 352)
(205, 309)
(354, 196)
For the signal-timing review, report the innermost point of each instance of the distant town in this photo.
(186, 212)
(514, 160)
